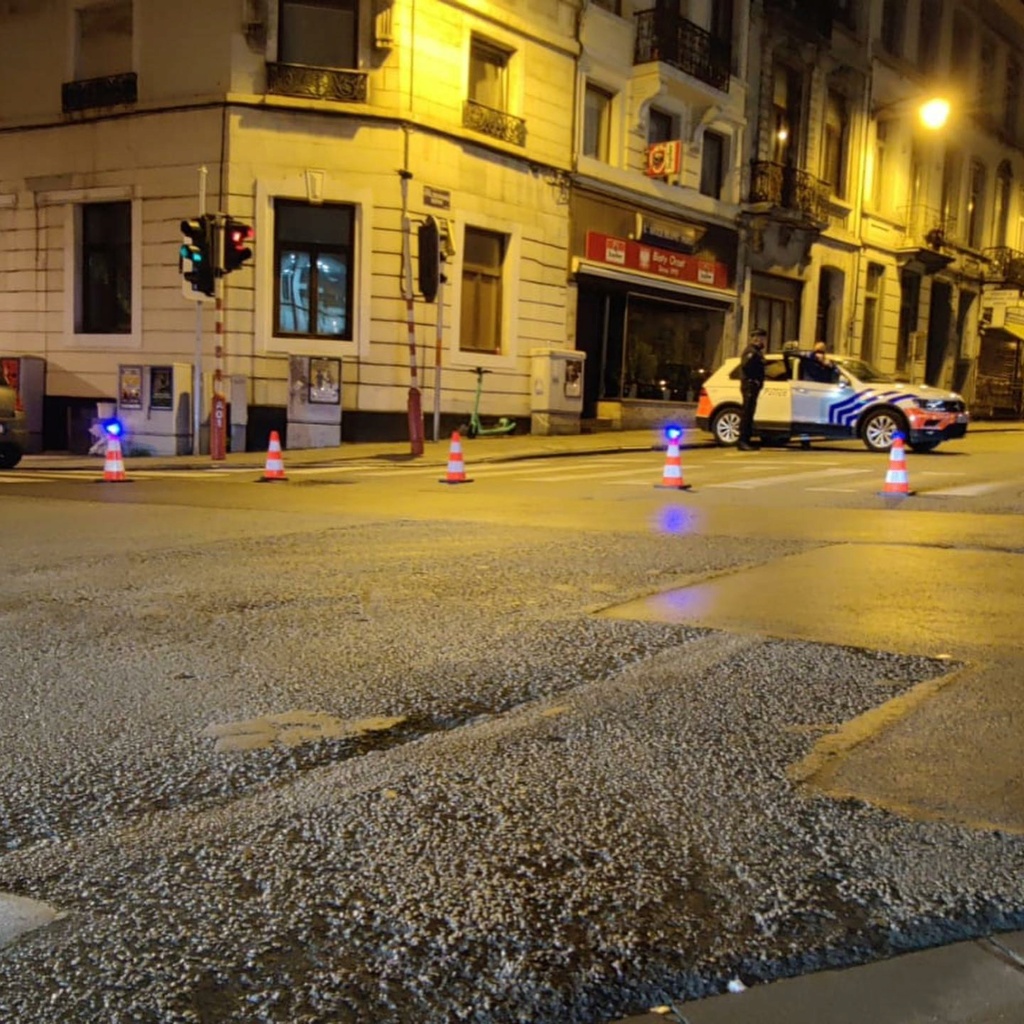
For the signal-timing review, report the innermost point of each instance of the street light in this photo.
(935, 113)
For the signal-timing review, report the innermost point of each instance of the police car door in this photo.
(812, 400)
(773, 404)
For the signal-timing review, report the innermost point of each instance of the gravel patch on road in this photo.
(578, 818)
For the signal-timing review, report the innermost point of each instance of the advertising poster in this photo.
(130, 389)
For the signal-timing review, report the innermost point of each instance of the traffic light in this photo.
(200, 252)
(429, 259)
(236, 252)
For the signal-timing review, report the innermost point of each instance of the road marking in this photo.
(787, 478)
(965, 491)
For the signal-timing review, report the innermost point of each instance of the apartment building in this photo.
(333, 129)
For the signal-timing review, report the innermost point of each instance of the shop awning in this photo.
(712, 298)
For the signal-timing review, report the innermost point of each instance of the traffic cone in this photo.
(113, 465)
(274, 469)
(672, 474)
(896, 480)
(456, 470)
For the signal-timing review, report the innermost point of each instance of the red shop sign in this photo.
(649, 259)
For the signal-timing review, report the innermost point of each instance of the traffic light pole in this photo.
(197, 369)
(438, 350)
(414, 406)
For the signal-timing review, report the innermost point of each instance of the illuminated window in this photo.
(597, 113)
(488, 74)
(320, 33)
(483, 266)
(313, 269)
(105, 268)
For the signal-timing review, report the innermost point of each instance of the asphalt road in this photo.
(548, 746)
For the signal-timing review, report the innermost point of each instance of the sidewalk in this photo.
(978, 982)
(476, 450)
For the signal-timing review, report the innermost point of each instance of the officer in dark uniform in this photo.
(751, 382)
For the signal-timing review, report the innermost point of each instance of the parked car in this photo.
(13, 433)
(858, 402)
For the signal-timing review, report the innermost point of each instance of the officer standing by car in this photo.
(751, 382)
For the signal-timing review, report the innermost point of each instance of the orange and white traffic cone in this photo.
(113, 465)
(456, 470)
(896, 480)
(274, 469)
(672, 474)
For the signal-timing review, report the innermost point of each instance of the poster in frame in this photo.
(324, 381)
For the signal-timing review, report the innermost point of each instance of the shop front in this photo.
(655, 301)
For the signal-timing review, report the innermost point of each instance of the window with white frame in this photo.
(313, 269)
(103, 36)
(712, 164)
(319, 33)
(597, 116)
(483, 270)
(104, 257)
(488, 74)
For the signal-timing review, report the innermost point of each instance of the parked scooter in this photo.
(475, 428)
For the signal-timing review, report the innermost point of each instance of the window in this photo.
(721, 21)
(988, 82)
(712, 164)
(104, 34)
(483, 263)
(928, 35)
(830, 305)
(105, 263)
(836, 134)
(313, 264)
(488, 75)
(892, 26)
(951, 192)
(910, 302)
(878, 172)
(976, 204)
(1001, 213)
(960, 58)
(872, 308)
(1011, 98)
(320, 33)
(787, 105)
(597, 111)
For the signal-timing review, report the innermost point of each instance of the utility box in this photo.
(27, 375)
(556, 390)
(154, 404)
(314, 402)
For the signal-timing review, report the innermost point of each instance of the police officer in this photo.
(751, 382)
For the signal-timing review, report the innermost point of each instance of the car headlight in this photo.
(930, 404)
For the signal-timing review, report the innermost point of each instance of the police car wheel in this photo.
(726, 425)
(879, 428)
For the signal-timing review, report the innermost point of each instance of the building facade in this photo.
(641, 181)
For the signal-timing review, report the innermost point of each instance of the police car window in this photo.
(776, 369)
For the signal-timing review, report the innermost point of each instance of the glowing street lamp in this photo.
(935, 113)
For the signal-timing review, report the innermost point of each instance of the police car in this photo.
(856, 401)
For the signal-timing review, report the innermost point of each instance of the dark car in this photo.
(13, 433)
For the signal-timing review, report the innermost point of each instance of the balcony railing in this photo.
(317, 83)
(663, 35)
(1005, 265)
(790, 189)
(90, 93)
(495, 123)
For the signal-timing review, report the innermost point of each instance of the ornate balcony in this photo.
(495, 123)
(1005, 265)
(663, 35)
(800, 197)
(90, 93)
(317, 83)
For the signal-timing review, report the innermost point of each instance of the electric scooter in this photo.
(475, 428)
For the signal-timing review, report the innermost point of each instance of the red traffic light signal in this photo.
(236, 249)
(199, 252)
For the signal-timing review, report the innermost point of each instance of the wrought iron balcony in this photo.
(789, 189)
(317, 83)
(813, 17)
(90, 93)
(1005, 265)
(662, 34)
(495, 123)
